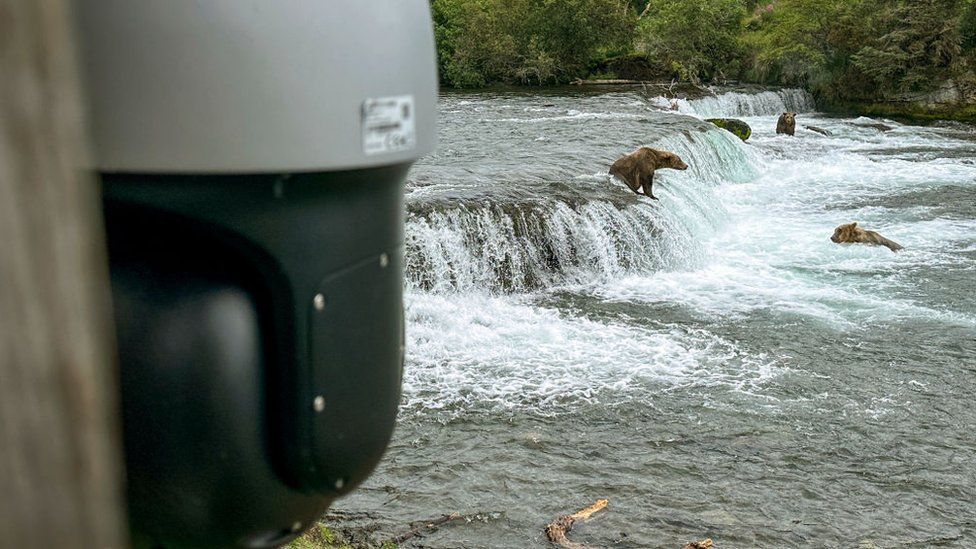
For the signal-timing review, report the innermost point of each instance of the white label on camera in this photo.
(388, 124)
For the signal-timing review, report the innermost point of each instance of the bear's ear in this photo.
(854, 225)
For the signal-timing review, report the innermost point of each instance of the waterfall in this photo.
(512, 247)
(733, 103)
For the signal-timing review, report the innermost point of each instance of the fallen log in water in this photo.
(557, 529)
(425, 526)
(606, 82)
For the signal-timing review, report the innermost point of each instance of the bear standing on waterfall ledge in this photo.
(637, 168)
(851, 233)
(786, 123)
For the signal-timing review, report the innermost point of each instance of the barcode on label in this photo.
(388, 124)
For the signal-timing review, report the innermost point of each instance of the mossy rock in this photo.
(738, 128)
(321, 536)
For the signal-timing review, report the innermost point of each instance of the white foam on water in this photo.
(743, 285)
(775, 254)
(490, 353)
(738, 104)
(492, 247)
(746, 229)
(486, 248)
(571, 115)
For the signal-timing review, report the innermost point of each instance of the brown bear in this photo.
(851, 233)
(637, 168)
(786, 123)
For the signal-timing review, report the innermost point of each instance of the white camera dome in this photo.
(243, 86)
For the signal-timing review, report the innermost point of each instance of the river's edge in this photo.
(919, 111)
(914, 112)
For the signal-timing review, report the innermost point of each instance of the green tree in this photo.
(922, 44)
(842, 50)
(800, 42)
(810, 43)
(527, 41)
(967, 26)
(699, 39)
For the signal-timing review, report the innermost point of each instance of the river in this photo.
(711, 362)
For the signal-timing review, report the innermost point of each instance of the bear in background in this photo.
(786, 123)
(637, 168)
(851, 233)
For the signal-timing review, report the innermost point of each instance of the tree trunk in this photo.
(60, 453)
(647, 9)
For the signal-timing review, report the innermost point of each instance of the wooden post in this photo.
(60, 457)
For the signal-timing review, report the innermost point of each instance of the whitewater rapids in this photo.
(710, 362)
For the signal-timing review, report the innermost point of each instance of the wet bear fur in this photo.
(786, 123)
(637, 168)
(851, 234)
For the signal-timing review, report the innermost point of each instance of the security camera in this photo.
(252, 158)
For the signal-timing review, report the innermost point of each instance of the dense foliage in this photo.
(527, 41)
(699, 39)
(841, 49)
(861, 49)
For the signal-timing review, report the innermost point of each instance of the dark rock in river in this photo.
(816, 129)
(876, 126)
(739, 128)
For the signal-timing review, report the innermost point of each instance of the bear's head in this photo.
(789, 117)
(673, 161)
(845, 233)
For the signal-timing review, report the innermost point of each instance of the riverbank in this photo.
(904, 111)
(958, 107)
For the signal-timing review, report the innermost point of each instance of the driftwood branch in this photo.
(557, 529)
(647, 9)
(606, 82)
(425, 526)
(670, 90)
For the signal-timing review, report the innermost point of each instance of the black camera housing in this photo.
(260, 328)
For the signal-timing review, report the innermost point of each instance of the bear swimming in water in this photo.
(786, 123)
(851, 233)
(637, 168)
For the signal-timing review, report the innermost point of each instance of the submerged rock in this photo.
(874, 126)
(739, 128)
(819, 130)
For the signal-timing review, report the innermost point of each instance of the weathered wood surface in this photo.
(606, 82)
(556, 530)
(60, 458)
